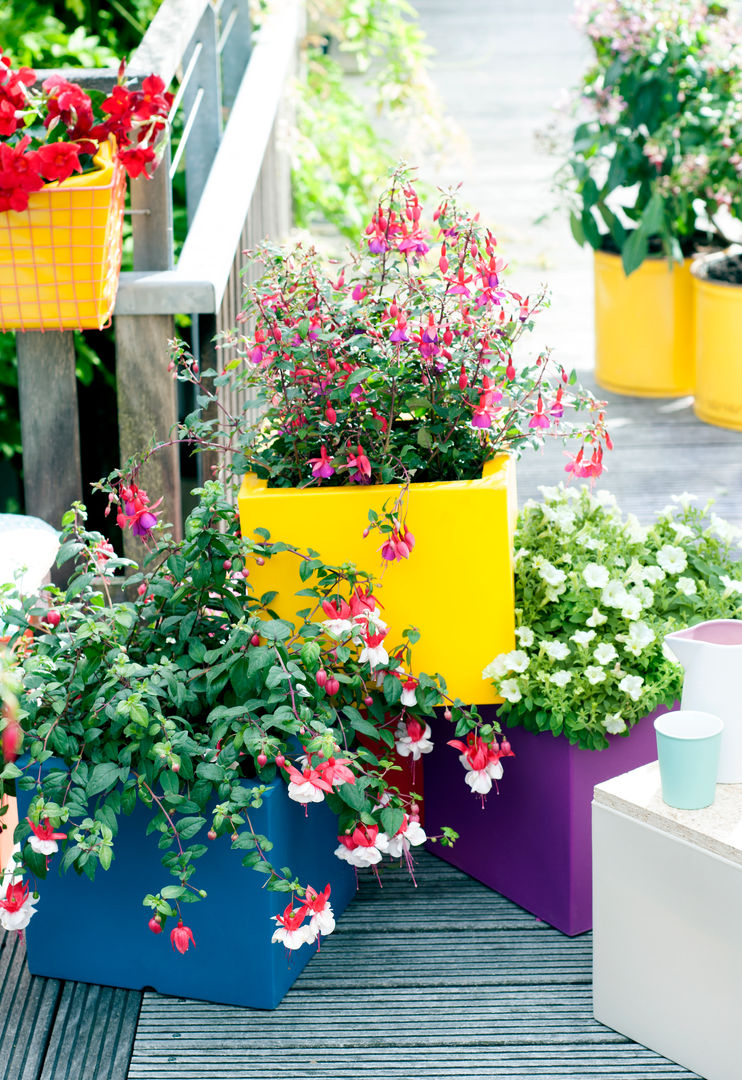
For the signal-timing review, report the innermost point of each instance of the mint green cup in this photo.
(688, 745)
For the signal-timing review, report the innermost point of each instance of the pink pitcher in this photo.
(711, 654)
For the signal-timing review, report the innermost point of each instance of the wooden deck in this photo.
(448, 981)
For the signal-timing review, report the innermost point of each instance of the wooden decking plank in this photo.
(391, 1000)
(93, 1033)
(27, 1008)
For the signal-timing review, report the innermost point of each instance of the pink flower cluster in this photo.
(292, 930)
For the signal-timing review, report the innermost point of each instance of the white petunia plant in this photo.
(595, 594)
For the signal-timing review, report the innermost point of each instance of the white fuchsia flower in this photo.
(595, 576)
(560, 678)
(525, 636)
(597, 618)
(43, 839)
(362, 847)
(17, 905)
(555, 650)
(673, 560)
(510, 690)
(292, 931)
(614, 723)
(481, 761)
(594, 674)
(605, 652)
(410, 834)
(307, 786)
(409, 698)
(687, 586)
(631, 685)
(583, 637)
(412, 739)
(322, 920)
(373, 652)
(339, 629)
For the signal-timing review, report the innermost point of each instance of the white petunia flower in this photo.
(583, 637)
(497, 668)
(510, 690)
(731, 585)
(551, 574)
(614, 723)
(595, 576)
(560, 678)
(632, 607)
(682, 532)
(687, 586)
(605, 653)
(597, 618)
(632, 685)
(684, 499)
(638, 638)
(594, 674)
(673, 560)
(614, 594)
(654, 574)
(525, 636)
(518, 661)
(555, 650)
(723, 529)
(636, 532)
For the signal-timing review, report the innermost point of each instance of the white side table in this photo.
(667, 913)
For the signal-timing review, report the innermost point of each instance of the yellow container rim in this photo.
(653, 264)
(699, 270)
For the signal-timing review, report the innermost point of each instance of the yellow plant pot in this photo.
(718, 348)
(456, 587)
(644, 328)
(8, 821)
(60, 258)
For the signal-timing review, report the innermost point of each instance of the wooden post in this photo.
(47, 388)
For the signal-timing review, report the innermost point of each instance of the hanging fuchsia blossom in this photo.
(322, 919)
(412, 739)
(181, 936)
(322, 467)
(43, 839)
(16, 906)
(481, 760)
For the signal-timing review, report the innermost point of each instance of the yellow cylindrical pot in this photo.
(644, 328)
(718, 347)
(456, 587)
(60, 258)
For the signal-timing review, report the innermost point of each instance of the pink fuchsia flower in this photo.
(322, 467)
(397, 546)
(373, 651)
(43, 839)
(361, 847)
(399, 333)
(410, 834)
(322, 920)
(181, 936)
(360, 465)
(539, 418)
(557, 408)
(336, 772)
(307, 786)
(412, 739)
(17, 906)
(136, 511)
(481, 761)
(292, 932)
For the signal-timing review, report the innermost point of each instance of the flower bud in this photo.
(262, 759)
(321, 677)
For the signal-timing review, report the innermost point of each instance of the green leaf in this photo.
(392, 689)
(352, 796)
(276, 629)
(578, 232)
(391, 820)
(103, 776)
(424, 438)
(635, 250)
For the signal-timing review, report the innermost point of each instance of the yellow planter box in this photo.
(456, 587)
(644, 328)
(60, 258)
(9, 820)
(718, 348)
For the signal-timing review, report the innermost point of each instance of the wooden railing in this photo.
(237, 183)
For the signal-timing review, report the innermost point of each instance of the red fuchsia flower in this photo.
(58, 161)
(458, 284)
(322, 919)
(361, 847)
(336, 772)
(44, 839)
(481, 761)
(292, 932)
(412, 739)
(409, 698)
(539, 418)
(181, 936)
(16, 906)
(359, 292)
(307, 786)
(360, 465)
(322, 467)
(136, 511)
(427, 339)
(591, 469)
(258, 352)
(399, 333)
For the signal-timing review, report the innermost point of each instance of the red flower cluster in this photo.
(75, 124)
(136, 511)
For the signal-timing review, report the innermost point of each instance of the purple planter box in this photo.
(532, 842)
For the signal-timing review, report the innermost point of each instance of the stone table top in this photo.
(716, 828)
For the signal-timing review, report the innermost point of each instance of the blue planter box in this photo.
(97, 931)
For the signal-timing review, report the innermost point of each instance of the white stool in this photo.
(667, 915)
